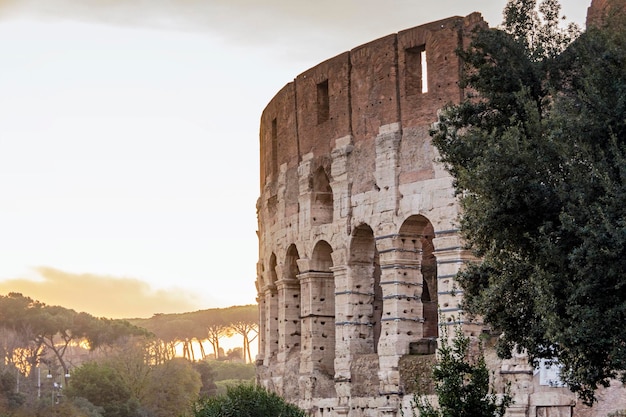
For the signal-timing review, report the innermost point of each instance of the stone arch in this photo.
(321, 260)
(322, 198)
(364, 266)
(416, 235)
(272, 278)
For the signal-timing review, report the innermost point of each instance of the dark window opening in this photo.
(323, 103)
(416, 70)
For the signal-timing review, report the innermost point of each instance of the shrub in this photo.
(462, 383)
(247, 400)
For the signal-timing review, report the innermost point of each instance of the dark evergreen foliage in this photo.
(539, 162)
(247, 401)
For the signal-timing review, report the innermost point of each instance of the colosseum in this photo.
(358, 241)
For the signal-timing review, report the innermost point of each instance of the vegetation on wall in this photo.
(462, 383)
(538, 158)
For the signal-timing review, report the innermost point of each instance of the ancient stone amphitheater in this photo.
(358, 242)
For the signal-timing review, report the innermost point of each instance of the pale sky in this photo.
(129, 138)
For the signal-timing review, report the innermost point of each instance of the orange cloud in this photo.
(102, 295)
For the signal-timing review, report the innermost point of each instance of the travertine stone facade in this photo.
(358, 243)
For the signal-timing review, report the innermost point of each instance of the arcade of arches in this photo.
(336, 329)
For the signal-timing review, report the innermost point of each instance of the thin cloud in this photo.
(102, 295)
(286, 23)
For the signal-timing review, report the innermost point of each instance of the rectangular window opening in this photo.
(416, 71)
(323, 102)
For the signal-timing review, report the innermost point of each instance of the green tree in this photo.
(102, 386)
(207, 376)
(538, 158)
(245, 322)
(52, 329)
(217, 328)
(174, 387)
(247, 401)
(462, 383)
(10, 399)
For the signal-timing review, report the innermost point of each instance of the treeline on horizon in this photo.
(57, 361)
(54, 328)
(211, 325)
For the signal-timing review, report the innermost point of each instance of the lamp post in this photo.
(57, 387)
(49, 376)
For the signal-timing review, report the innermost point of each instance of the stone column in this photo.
(317, 310)
(386, 174)
(519, 373)
(261, 355)
(262, 311)
(271, 324)
(288, 317)
(402, 320)
(451, 257)
(342, 335)
(340, 184)
(318, 322)
(305, 192)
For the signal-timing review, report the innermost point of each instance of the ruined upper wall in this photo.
(357, 92)
(600, 9)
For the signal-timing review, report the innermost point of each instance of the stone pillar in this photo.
(402, 320)
(391, 408)
(288, 317)
(318, 322)
(317, 310)
(271, 324)
(339, 184)
(519, 373)
(451, 257)
(305, 192)
(262, 311)
(342, 335)
(386, 174)
(261, 355)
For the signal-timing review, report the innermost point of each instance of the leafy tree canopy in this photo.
(43, 328)
(538, 157)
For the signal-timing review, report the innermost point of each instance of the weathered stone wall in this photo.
(357, 238)
(599, 10)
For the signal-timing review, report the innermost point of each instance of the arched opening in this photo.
(322, 199)
(322, 260)
(365, 285)
(417, 234)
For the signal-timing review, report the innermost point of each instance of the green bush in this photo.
(247, 400)
(462, 383)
